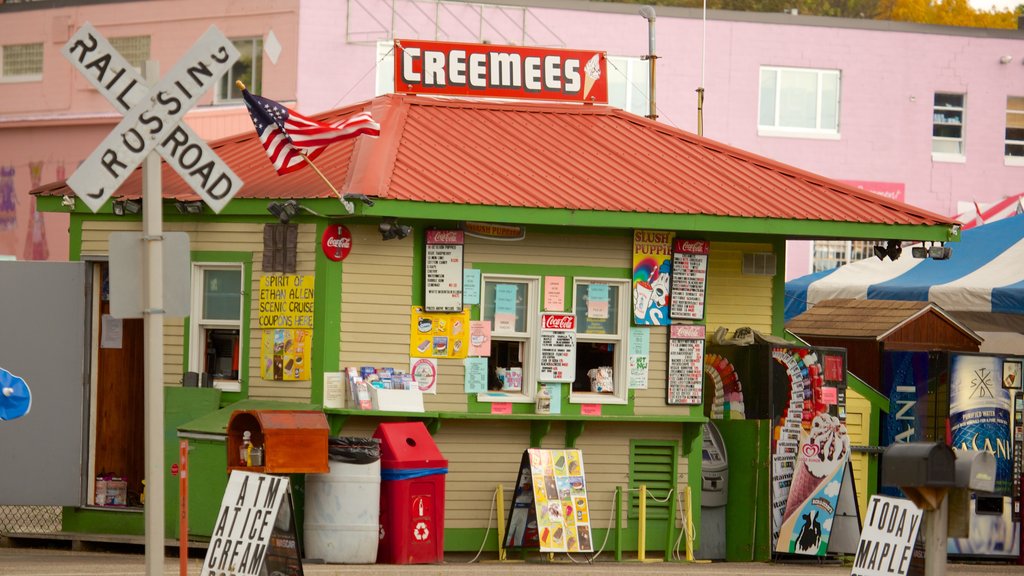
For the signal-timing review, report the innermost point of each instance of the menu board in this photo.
(550, 509)
(557, 347)
(689, 279)
(685, 364)
(443, 269)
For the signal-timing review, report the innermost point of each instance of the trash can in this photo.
(411, 495)
(342, 513)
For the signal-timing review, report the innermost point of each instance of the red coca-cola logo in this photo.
(558, 322)
(336, 242)
(444, 237)
(691, 246)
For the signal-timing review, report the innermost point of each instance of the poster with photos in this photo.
(285, 354)
(550, 509)
(438, 334)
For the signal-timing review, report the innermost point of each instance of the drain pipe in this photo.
(648, 13)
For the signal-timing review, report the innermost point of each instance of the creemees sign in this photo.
(488, 70)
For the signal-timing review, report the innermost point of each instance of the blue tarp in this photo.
(984, 274)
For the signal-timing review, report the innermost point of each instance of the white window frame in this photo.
(620, 339)
(198, 325)
(634, 79)
(527, 337)
(14, 78)
(772, 128)
(228, 80)
(937, 112)
(1019, 115)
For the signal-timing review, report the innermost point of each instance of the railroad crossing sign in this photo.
(152, 118)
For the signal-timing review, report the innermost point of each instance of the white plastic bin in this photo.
(342, 519)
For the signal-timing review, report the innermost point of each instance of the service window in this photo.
(602, 341)
(509, 303)
(216, 323)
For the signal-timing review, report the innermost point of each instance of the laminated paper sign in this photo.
(557, 348)
(685, 364)
(689, 278)
(438, 335)
(550, 509)
(443, 269)
(285, 354)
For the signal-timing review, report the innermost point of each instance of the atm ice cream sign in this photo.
(487, 70)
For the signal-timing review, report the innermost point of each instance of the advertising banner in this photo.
(550, 509)
(652, 277)
(438, 335)
(979, 411)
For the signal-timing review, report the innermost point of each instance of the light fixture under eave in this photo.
(940, 252)
(880, 252)
(390, 229)
(893, 249)
(122, 207)
(284, 211)
(919, 251)
(67, 201)
(194, 207)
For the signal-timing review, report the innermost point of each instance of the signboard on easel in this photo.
(550, 509)
(255, 531)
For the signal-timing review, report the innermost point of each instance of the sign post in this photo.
(152, 122)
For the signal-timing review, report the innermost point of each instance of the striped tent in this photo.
(982, 283)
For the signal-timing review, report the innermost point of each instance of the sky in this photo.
(999, 4)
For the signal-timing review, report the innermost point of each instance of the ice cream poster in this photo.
(652, 277)
(814, 492)
(439, 334)
(550, 508)
(979, 411)
(285, 354)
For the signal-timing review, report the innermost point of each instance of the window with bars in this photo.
(830, 254)
(652, 463)
(1015, 128)
(134, 49)
(21, 62)
(948, 124)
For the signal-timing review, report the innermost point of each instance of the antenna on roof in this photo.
(703, 51)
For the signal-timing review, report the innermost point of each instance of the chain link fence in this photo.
(29, 519)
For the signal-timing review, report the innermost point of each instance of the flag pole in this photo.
(349, 207)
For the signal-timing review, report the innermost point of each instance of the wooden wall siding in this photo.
(606, 461)
(553, 250)
(930, 332)
(218, 237)
(733, 298)
(480, 456)
(858, 427)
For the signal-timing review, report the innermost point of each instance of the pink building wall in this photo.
(889, 72)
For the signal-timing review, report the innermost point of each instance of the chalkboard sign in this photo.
(685, 364)
(689, 279)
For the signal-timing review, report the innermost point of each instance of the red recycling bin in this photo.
(412, 473)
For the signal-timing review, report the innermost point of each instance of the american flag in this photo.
(285, 133)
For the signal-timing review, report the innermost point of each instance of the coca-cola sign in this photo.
(558, 322)
(445, 236)
(691, 246)
(336, 242)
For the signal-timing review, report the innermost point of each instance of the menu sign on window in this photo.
(443, 269)
(685, 364)
(689, 279)
(557, 347)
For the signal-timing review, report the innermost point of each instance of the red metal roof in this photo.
(548, 155)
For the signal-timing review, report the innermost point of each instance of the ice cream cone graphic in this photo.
(591, 73)
(827, 447)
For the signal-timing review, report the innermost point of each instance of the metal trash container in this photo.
(342, 506)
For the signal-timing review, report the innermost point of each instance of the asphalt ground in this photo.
(57, 562)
